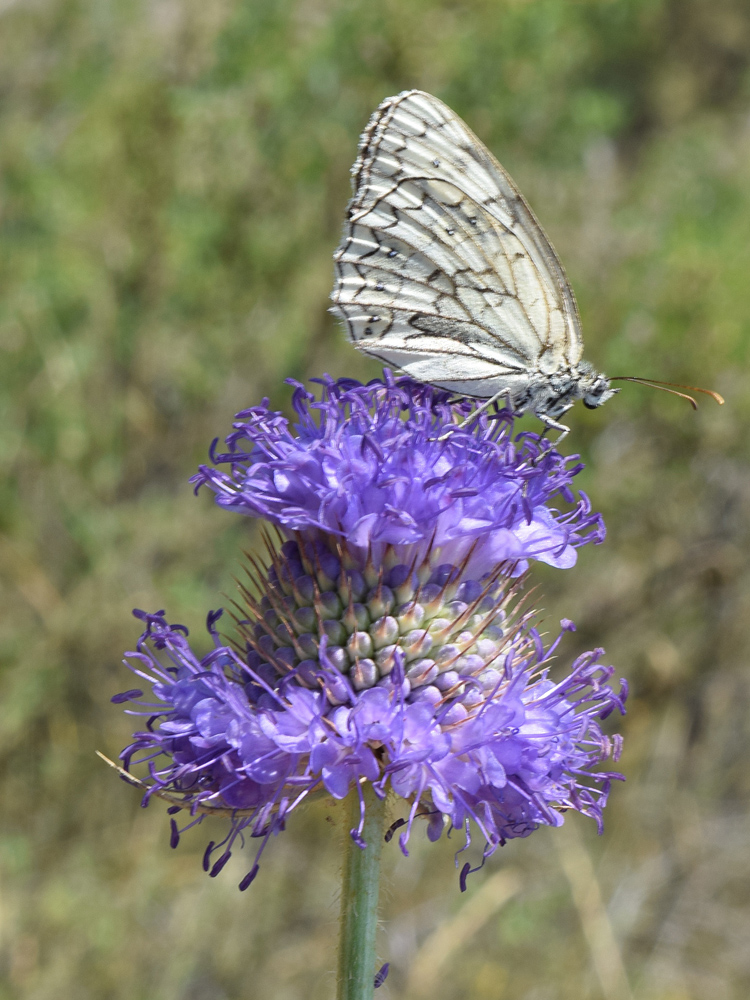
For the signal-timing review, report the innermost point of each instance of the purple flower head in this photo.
(384, 640)
(383, 466)
(412, 678)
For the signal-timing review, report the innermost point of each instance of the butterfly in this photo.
(445, 273)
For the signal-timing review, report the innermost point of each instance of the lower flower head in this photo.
(415, 679)
(384, 465)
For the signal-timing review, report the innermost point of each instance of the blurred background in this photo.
(173, 180)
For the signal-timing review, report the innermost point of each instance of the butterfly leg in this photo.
(554, 425)
(503, 394)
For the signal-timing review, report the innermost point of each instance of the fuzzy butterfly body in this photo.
(444, 272)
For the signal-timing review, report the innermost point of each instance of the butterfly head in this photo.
(595, 388)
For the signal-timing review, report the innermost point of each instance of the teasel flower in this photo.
(385, 641)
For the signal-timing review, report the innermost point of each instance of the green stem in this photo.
(359, 898)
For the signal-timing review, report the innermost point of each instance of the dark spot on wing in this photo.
(475, 154)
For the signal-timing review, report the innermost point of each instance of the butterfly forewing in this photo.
(443, 270)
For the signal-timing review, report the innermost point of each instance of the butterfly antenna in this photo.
(655, 384)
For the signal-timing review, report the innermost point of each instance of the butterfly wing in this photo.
(443, 270)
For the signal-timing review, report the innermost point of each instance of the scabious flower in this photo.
(385, 640)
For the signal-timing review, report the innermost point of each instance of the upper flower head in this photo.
(384, 465)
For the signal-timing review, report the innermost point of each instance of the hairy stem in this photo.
(359, 898)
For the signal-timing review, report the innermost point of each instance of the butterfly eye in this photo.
(590, 406)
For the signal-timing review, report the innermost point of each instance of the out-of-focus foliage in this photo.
(174, 174)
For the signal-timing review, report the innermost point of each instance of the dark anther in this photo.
(248, 878)
(392, 829)
(462, 878)
(381, 975)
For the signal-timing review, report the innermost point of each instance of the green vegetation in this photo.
(173, 175)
